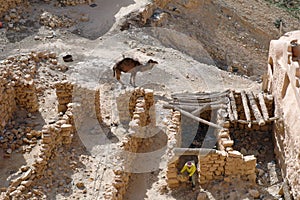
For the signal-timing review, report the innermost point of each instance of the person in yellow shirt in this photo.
(190, 168)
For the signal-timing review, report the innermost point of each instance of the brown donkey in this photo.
(129, 65)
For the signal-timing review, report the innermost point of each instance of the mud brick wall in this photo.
(53, 136)
(140, 102)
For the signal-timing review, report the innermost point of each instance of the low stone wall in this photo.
(53, 136)
(227, 166)
(64, 90)
(17, 84)
(174, 140)
(141, 100)
(216, 165)
(224, 164)
(7, 100)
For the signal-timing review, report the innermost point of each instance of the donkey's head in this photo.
(152, 61)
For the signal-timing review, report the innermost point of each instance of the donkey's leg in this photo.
(118, 76)
(132, 78)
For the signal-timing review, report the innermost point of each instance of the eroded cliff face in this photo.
(283, 81)
(236, 34)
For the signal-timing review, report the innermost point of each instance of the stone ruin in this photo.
(222, 156)
(224, 159)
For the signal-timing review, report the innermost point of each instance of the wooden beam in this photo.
(255, 109)
(230, 114)
(263, 106)
(233, 105)
(256, 122)
(193, 117)
(246, 108)
(199, 101)
(193, 151)
(200, 95)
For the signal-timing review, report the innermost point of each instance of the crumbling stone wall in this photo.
(5, 5)
(217, 165)
(7, 99)
(17, 82)
(140, 105)
(283, 82)
(174, 140)
(53, 136)
(223, 163)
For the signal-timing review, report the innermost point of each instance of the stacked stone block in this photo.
(7, 100)
(174, 138)
(238, 166)
(224, 139)
(212, 166)
(64, 90)
(5, 5)
(140, 102)
(53, 136)
(26, 93)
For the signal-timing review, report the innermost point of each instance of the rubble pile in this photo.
(53, 136)
(6, 5)
(54, 21)
(16, 136)
(21, 72)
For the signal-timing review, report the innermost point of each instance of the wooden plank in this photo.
(263, 106)
(200, 95)
(256, 122)
(193, 151)
(246, 108)
(255, 109)
(233, 105)
(193, 117)
(230, 114)
(207, 107)
(199, 101)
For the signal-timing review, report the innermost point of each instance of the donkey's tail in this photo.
(114, 70)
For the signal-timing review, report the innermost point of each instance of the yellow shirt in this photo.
(191, 170)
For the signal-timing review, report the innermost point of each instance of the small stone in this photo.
(24, 168)
(254, 193)
(80, 185)
(9, 151)
(26, 183)
(202, 196)
(243, 151)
